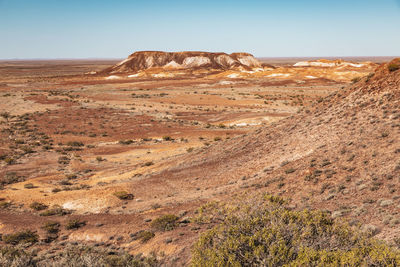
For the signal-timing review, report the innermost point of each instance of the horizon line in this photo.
(119, 58)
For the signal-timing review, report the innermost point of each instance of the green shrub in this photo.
(82, 256)
(38, 206)
(55, 210)
(165, 223)
(75, 143)
(74, 224)
(11, 178)
(393, 67)
(126, 142)
(51, 227)
(12, 256)
(23, 237)
(4, 204)
(9, 161)
(264, 232)
(145, 236)
(123, 195)
(29, 186)
(290, 170)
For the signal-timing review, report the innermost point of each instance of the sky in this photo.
(32, 29)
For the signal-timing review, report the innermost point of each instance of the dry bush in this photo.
(263, 231)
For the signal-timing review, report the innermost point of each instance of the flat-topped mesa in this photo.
(143, 60)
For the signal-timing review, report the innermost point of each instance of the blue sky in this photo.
(116, 28)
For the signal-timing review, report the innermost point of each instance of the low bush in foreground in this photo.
(78, 256)
(264, 232)
(23, 237)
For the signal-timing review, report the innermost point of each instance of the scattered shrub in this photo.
(74, 224)
(123, 195)
(145, 236)
(23, 237)
(51, 227)
(4, 204)
(290, 170)
(56, 190)
(165, 223)
(393, 67)
(11, 178)
(83, 256)
(167, 138)
(125, 142)
(29, 186)
(63, 160)
(149, 163)
(9, 161)
(55, 210)
(75, 143)
(38, 206)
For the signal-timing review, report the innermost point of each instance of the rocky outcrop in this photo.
(144, 60)
(324, 63)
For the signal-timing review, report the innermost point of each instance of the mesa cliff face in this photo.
(144, 60)
(171, 65)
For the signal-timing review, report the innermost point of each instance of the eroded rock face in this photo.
(139, 61)
(324, 63)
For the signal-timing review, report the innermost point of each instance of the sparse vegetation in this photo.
(165, 223)
(51, 227)
(38, 206)
(125, 142)
(23, 237)
(123, 195)
(167, 138)
(75, 143)
(394, 66)
(29, 186)
(73, 224)
(4, 204)
(55, 210)
(82, 256)
(145, 236)
(148, 163)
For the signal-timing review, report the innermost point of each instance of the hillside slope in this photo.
(342, 155)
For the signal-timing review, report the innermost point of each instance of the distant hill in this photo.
(144, 60)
